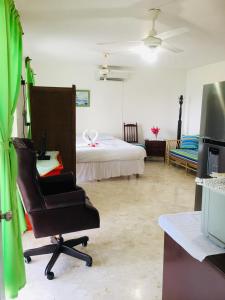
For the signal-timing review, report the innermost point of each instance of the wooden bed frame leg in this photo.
(137, 175)
(128, 177)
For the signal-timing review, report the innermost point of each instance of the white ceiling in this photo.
(69, 30)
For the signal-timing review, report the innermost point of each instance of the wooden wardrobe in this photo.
(53, 113)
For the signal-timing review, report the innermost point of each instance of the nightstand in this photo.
(155, 148)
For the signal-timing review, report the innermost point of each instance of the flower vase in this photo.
(155, 131)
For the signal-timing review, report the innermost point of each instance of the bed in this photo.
(111, 157)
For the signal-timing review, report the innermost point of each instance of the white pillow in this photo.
(104, 136)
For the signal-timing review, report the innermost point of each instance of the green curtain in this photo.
(10, 74)
(29, 81)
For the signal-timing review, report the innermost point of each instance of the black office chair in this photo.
(55, 206)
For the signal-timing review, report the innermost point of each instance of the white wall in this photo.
(149, 97)
(196, 78)
(18, 117)
(17, 130)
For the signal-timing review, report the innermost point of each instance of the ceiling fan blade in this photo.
(120, 68)
(172, 33)
(107, 43)
(114, 79)
(110, 67)
(111, 79)
(117, 68)
(171, 48)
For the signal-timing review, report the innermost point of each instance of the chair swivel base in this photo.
(57, 247)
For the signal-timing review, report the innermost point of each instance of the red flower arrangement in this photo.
(155, 131)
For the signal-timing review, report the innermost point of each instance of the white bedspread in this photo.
(108, 150)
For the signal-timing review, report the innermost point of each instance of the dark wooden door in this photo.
(53, 114)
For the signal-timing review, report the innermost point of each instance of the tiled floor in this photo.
(127, 250)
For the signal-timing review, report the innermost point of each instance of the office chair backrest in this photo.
(27, 175)
(130, 133)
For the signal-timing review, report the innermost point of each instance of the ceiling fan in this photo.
(154, 40)
(109, 72)
(104, 68)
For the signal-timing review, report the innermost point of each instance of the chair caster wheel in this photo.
(27, 259)
(84, 244)
(89, 263)
(50, 275)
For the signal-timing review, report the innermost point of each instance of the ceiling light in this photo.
(104, 72)
(149, 54)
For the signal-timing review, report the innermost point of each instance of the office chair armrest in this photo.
(57, 184)
(65, 199)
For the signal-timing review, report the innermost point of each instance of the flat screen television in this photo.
(42, 148)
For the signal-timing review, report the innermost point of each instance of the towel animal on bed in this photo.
(90, 136)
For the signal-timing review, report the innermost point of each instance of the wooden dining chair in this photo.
(130, 133)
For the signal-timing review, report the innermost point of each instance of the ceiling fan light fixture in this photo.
(104, 72)
(152, 42)
(149, 54)
(150, 57)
